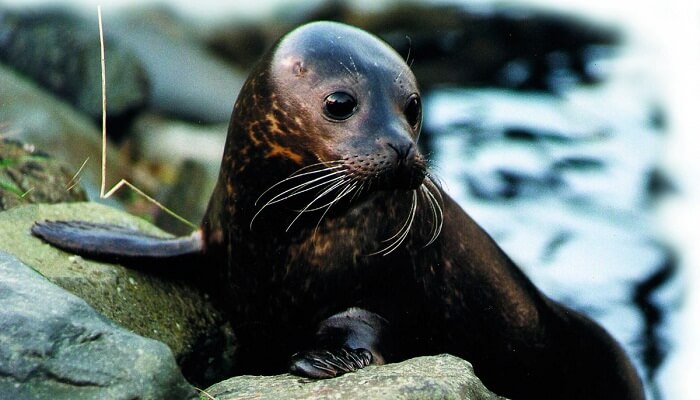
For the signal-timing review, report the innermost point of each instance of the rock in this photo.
(186, 80)
(61, 51)
(166, 307)
(188, 197)
(242, 43)
(32, 116)
(29, 176)
(185, 174)
(174, 311)
(167, 141)
(437, 377)
(53, 345)
(502, 45)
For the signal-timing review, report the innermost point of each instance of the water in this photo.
(603, 204)
(566, 194)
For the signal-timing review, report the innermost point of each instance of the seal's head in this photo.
(358, 100)
(330, 115)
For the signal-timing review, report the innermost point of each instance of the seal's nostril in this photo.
(403, 152)
(409, 151)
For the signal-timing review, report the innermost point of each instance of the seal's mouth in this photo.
(407, 176)
(383, 172)
(323, 189)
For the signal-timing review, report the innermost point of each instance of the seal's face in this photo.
(359, 102)
(344, 110)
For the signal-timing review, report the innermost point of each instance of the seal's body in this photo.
(332, 244)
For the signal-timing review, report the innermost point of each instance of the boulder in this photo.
(53, 345)
(30, 115)
(29, 176)
(163, 305)
(437, 377)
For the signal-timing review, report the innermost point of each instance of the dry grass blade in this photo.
(123, 182)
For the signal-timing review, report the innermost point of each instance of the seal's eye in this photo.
(413, 111)
(339, 105)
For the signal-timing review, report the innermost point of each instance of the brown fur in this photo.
(460, 295)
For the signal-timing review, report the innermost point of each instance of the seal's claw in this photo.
(322, 364)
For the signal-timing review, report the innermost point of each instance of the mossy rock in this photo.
(160, 305)
(28, 176)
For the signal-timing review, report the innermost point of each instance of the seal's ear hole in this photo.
(299, 69)
(339, 106)
(413, 110)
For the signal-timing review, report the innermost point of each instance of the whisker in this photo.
(331, 172)
(302, 188)
(403, 232)
(438, 216)
(434, 212)
(317, 208)
(354, 66)
(408, 38)
(296, 190)
(397, 232)
(347, 190)
(358, 192)
(352, 75)
(408, 224)
(408, 56)
(296, 175)
(306, 209)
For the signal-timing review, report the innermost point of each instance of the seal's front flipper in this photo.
(345, 342)
(105, 241)
(321, 364)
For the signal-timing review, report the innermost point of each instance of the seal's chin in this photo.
(410, 173)
(402, 178)
(410, 180)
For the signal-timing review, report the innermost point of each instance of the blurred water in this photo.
(603, 205)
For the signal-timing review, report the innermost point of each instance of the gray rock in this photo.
(61, 51)
(166, 145)
(188, 197)
(166, 307)
(30, 115)
(186, 80)
(437, 377)
(166, 141)
(53, 345)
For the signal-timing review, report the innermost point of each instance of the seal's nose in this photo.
(408, 169)
(403, 149)
(405, 152)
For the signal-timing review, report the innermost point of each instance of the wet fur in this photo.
(443, 285)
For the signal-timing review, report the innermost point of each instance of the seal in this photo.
(334, 248)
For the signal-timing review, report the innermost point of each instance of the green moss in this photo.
(10, 187)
